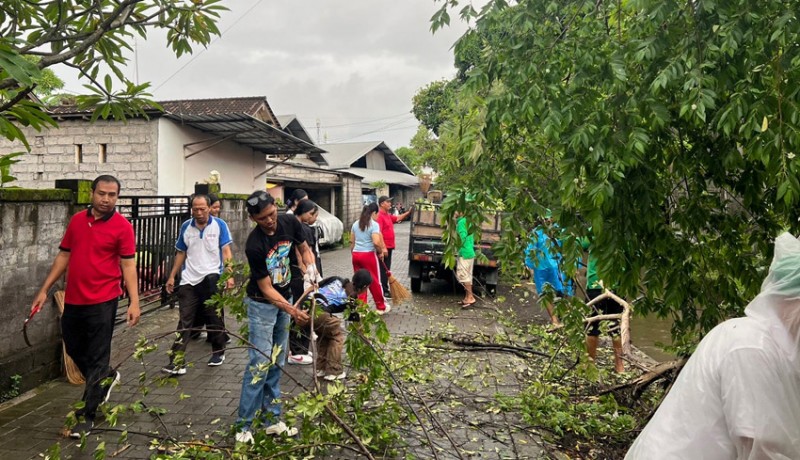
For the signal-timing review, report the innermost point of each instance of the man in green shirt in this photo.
(607, 306)
(465, 261)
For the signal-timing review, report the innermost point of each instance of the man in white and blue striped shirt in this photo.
(203, 248)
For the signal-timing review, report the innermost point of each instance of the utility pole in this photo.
(318, 126)
(136, 61)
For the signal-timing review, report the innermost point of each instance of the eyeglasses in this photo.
(252, 201)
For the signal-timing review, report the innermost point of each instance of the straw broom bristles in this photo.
(399, 292)
(74, 375)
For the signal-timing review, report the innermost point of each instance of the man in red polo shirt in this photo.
(386, 223)
(96, 252)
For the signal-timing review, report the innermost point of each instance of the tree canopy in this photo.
(93, 38)
(431, 104)
(668, 127)
(425, 149)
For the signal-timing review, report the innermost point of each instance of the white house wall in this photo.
(237, 164)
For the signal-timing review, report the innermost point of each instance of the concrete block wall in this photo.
(235, 215)
(30, 232)
(306, 175)
(351, 200)
(130, 154)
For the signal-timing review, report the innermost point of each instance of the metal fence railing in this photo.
(156, 222)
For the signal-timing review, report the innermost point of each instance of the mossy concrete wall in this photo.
(32, 223)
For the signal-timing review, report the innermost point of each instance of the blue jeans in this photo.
(268, 325)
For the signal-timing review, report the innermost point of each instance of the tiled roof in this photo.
(247, 105)
(253, 106)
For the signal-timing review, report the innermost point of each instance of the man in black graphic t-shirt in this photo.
(269, 307)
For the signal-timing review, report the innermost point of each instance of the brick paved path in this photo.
(32, 423)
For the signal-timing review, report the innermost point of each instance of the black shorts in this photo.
(607, 306)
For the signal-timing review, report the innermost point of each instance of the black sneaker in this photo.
(111, 385)
(216, 359)
(172, 369)
(81, 428)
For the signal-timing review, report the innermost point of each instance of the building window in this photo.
(101, 152)
(78, 153)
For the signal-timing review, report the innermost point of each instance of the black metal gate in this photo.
(156, 222)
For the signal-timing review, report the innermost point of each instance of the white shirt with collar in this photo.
(203, 249)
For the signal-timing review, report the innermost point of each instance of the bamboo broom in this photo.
(74, 375)
(399, 292)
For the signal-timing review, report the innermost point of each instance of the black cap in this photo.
(384, 198)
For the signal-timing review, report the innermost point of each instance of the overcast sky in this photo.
(354, 65)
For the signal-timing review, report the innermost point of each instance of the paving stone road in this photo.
(32, 423)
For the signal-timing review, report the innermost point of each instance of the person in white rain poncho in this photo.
(738, 397)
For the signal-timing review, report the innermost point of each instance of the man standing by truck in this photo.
(386, 222)
(466, 260)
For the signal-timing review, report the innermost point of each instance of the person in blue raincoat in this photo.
(543, 260)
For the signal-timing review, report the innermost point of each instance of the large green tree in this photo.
(431, 104)
(425, 149)
(93, 37)
(669, 127)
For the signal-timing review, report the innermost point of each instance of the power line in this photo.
(399, 128)
(196, 55)
(381, 129)
(364, 122)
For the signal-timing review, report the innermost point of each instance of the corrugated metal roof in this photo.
(246, 120)
(342, 156)
(291, 124)
(249, 131)
(284, 120)
(371, 176)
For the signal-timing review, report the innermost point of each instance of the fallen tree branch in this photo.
(642, 382)
(403, 394)
(624, 317)
(472, 345)
(435, 422)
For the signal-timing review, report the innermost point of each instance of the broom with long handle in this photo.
(399, 292)
(74, 374)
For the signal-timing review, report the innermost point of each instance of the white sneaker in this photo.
(332, 377)
(320, 374)
(281, 428)
(245, 437)
(300, 359)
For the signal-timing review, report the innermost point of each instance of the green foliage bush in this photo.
(14, 390)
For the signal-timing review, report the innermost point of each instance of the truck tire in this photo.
(416, 284)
